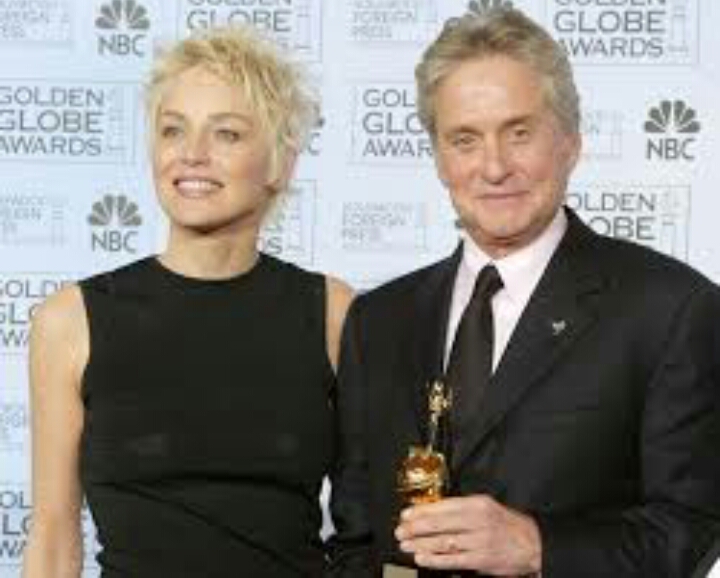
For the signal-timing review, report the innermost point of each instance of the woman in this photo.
(188, 395)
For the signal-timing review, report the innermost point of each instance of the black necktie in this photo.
(470, 363)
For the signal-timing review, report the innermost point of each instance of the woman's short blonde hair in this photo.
(276, 88)
(498, 31)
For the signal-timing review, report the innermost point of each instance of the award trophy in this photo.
(423, 473)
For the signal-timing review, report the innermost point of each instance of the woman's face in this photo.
(211, 158)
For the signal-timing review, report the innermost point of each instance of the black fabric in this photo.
(208, 422)
(601, 420)
(470, 363)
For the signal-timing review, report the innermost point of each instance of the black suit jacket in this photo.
(602, 419)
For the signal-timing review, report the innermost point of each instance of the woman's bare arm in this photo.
(339, 297)
(59, 348)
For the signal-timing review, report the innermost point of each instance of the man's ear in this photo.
(575, 144)
(439, 166)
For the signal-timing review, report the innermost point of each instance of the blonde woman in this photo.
(187, 396)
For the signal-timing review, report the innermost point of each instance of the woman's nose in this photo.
(195, 149)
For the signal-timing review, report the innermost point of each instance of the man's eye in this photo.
(520, 134)
(463, 141)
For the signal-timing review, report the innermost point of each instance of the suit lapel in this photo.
(556, 315)
(427, 328)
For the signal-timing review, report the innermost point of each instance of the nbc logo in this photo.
(118, 205)
(670, 127)
(480, 6)
(676, 116)
(117, 12)
(117, 218)
(122, 28)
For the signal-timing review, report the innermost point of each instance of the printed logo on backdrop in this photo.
(15, 508)
(20, 293)
(479, 7)
(122, 28)
(65, 121)
(626, 31)
(482, 6)
(386, 127)
(313, 147)
(384, 227)
(14, 423)
(114, 221)
(40, 23)
(671, 127)
(653, 215)
(297, 24)
(392, 21)
(15, 515)
(33, 219)
(602, 132)
(288, 231)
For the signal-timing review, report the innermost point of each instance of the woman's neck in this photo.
(210, 257)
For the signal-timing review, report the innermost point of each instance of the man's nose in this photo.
(496, 164)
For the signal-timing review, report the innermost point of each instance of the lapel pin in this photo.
(558, 327)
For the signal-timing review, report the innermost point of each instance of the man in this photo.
(592, 449)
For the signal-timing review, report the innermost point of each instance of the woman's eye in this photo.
(228, 135)
(170, 131)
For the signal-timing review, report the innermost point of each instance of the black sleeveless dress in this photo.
(208, 421)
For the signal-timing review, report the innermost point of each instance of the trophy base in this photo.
(421, 477)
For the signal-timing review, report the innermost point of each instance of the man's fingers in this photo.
(456, 561)
(444, 551)
(440, 544)
(450, 515)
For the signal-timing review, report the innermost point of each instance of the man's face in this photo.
(501, 152)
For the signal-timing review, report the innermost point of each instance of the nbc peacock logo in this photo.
(122, 27)
(672, 126)
(672, 116)
(481, 6)
(118, 13)
(115, 220)
(478, 8)
(123, 210)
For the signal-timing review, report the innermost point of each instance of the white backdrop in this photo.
(75, 196)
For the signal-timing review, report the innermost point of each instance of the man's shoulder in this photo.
(633, 261)
(405, 286)
(623, 259)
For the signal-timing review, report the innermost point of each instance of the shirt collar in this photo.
(522, 269)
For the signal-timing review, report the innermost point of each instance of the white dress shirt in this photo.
(520, 272)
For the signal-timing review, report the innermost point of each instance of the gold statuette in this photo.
(423, 473)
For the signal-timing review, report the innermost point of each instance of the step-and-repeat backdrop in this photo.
(75, 193)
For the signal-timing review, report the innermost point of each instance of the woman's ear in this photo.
(284, 171)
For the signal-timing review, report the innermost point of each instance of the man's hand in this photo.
(471, 533)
